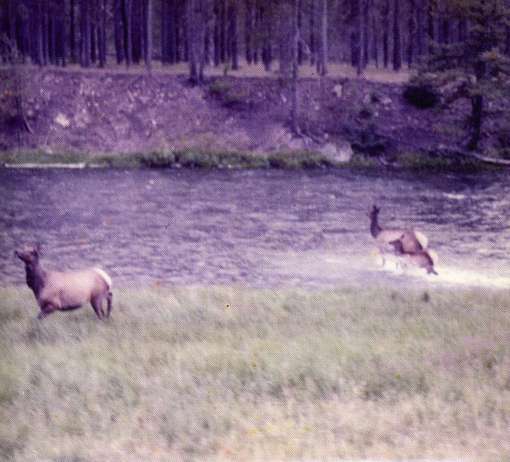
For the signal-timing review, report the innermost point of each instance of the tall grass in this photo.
(224, 373)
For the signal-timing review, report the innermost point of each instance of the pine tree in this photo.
(477, 65)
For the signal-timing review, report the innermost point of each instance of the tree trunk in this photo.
(301, 54)
(223, 30)
(286, 26)
(72, 31)
(323, 55)
(117, 31)
(25, 32)
(46, 33)
(397, 46)
(148, 35)
(295, 67)
(476, 121)
(137, 30)
(365, 31)
(93, 36)
(507, 41)
(172, 32)
(62, 39)
(40, 35)
(445, 27)
(430, 26)
(248, 28)
(386, 32)
(232, 35)
(412, 32)
(196, 20)
(267, 47)
(313, 50)
(420, 33)
(84, 34)
(375, 43)
(52, 48)
(102, 33)
(11, 17)
(128, 41)
(359, 37)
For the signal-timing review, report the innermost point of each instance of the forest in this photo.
(461, 47)
(387, 33)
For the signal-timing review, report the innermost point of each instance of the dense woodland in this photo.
(446, 37)
(387, 33)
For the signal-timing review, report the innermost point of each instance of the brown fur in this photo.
(62, 291)
(383, 237)
(421, 259)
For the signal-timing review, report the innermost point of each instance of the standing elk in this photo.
(69, 290)
(412, 241)
(409, 244)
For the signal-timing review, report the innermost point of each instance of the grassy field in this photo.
(248, 374)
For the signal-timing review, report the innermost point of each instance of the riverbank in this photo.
(237, 373)
(202, 159)
(121, 113)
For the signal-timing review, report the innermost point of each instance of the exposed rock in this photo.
(338, 90)
(297, 144)
(82, 118)
(62, 120)
(337, 153)
(385, 100)
(102, 118)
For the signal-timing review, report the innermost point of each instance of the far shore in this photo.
(202, 159)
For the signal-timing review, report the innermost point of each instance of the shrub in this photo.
(421, 95)
(230, 96)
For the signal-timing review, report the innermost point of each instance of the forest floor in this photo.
(117, 112)
(224, 373)
(335, 70)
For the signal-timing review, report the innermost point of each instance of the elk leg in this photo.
(109, 299)
(97, 303)
(46, 310)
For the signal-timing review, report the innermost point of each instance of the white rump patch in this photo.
(422, 239)
(105, 276)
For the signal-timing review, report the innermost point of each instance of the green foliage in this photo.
(423, 162)
(232, 97)
(475, 68)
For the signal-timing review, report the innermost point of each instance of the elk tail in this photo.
(105, 278)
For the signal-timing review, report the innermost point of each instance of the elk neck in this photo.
(375, 229)
(36, 277)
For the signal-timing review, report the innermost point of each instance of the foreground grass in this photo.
(224, 373)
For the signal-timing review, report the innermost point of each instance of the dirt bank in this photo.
(119, 112)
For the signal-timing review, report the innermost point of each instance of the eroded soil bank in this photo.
(120, 112)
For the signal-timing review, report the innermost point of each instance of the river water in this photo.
(256, 228)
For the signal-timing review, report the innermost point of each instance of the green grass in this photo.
(224, 373)
(425, 162)
(186, 158)
(203, 159)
